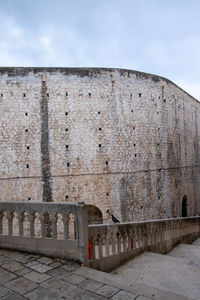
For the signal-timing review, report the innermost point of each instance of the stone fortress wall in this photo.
(124, 141)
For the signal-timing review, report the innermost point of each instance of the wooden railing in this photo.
(112, 245)
(54, 229)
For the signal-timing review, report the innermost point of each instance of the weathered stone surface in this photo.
(40, 267)
(9, 276)
(121, 140)
(36, 277)
(4, 291)
(107, 291)
(75, 279)
(13, 296)
(21, 285)
(90, 285)
(123, 295)
(12, 266)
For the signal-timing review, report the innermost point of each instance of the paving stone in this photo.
(123, 295)
(22, 271)
(90, 285)
(8, 277)
(54, 283)
(83, 295)
(12, 266)
(143, 298)
(13, 296)
(3, 259)
(4, 291)
(45, 260)
(41, 268)
(55, 264)
(19, 256)
(59, 272)
(32, 263)
(70, 266)
(21, 285)
(107, 290)
(3, 272)
(36, 277)
(75, 279)
(43, 293)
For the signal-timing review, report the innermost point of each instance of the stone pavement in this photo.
(28, 276)
(177, 272)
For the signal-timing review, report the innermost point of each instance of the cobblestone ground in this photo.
(28, 276)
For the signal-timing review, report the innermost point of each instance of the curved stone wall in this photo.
(124, 141)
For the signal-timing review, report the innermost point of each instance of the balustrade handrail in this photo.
(110, 245)
(71, 219)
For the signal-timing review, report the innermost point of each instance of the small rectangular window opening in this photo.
(89, 94)
(66, 146)
(28, 147)
(27, 166)
(140, 94)
(99, 128)
(66, 129)
(66, 113)
(99, 112)
(66, 94)
(29, 198)
(99, 145)
(68, 164)
(24, 95)
(107, 163)
(26, 130)
(26, 114)
(66, 197)
(47, 94)
(1, 95)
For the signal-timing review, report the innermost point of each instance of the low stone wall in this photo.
(112, 245)
(54, 229)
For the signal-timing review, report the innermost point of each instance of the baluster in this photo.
(107, 245)
(100, 247)
(65, 222)
(43, 233)
(113, 240)
(118, 243)
(54, 227)
(124, 241)
(21, 227)
(31, 220)
(1, 223)
(10, 227)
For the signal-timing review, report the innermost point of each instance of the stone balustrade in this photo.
(112, 245)
(54, 229)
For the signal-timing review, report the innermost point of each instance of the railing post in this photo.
(10, 222)
(82, 230)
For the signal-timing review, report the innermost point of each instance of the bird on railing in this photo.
(115, 220)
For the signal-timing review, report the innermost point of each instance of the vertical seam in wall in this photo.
(44, 143)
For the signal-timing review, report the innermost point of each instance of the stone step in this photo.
(188, 254)
(163, 272)
(196, 243)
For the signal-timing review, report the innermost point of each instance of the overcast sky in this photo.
(154, 36)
